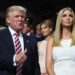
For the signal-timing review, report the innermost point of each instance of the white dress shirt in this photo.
(21, 41)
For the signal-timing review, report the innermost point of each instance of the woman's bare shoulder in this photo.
(50, 40)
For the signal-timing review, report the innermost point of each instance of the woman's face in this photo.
(45, 30)
(67, 18)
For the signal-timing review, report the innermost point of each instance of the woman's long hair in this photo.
(58, 28)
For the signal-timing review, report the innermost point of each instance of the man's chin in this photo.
(20, 28)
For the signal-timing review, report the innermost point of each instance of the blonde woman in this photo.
(46, 28)
(60, 58)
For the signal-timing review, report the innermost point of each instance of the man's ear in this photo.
(7, 20)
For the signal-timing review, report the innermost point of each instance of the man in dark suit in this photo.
(15, 18)
(39, 35)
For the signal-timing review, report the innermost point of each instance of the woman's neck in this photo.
(66, 33)
(48, 37)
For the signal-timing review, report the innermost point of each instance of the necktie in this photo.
(18, 49)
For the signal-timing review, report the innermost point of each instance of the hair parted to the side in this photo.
(47, 22)
(17, 8)
(58, 28)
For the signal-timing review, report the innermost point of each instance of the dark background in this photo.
(37, 9)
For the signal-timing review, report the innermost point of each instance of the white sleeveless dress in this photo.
(42, 55)
(64, 58)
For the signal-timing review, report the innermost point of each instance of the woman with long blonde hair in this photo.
(60, 57)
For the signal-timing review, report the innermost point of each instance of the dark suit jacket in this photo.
(7, 52)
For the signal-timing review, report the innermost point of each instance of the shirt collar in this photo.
(12, 31)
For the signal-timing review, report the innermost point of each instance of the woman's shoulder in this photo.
(51, 40)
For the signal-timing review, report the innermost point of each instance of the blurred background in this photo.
(37, 9)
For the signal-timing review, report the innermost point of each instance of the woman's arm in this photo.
(49, 61)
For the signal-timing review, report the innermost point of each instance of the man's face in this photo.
(26, 29)
(16, 20)
(38, 30)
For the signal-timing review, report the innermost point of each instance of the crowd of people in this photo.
(43, 51)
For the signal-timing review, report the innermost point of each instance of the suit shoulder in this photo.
(3, 31)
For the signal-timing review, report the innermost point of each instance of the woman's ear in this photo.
(50, 29)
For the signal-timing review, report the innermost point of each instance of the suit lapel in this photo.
(26, 43)
(9, 40)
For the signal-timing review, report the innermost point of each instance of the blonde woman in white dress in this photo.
(60, 58)
(46, 28)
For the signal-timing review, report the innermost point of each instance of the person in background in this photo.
(26, 28)
(46, 29)
(2, 27)
(32, 30)
(17, 55)
(60, 57)
(39, 35)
